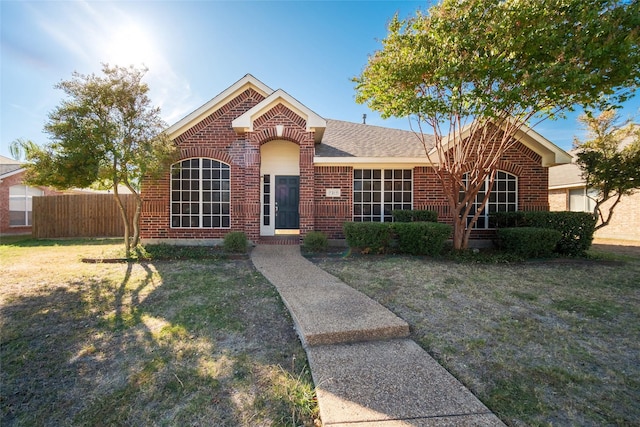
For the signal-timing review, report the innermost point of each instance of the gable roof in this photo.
(550, 153)
(340, 142)
(247, 82)
(568, 175)
(314, 122)
(9, 167)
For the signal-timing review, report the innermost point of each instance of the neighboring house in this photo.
(568, 192)
(257, 160)
(16, 198)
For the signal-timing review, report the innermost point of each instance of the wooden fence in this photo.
(79, 215)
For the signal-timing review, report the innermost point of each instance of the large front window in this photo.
(503, 198)
(378, 192)
(20, 204)
(200, 194)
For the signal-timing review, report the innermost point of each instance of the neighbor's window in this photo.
(200, 194)
(582, 200)
(503, 198)
(20, 204)
(377, 192)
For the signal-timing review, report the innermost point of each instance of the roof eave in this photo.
(314, 123)
(248, 81)
(551, 154)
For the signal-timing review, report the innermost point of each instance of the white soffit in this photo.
(551, 154)
(244, 123)
(217, 102)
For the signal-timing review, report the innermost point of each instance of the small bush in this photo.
(577, 228)
(421, 238)
(529, 242)
(315, 241)
(369, 237)
(416, 215)
(235, 242)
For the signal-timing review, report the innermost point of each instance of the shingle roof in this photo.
(8, 165)
(568, 175)
(346, 139)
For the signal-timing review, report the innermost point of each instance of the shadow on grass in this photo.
(165, 343)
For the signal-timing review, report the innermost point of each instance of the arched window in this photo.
(503, 198)
(20, 204)
(200, 194)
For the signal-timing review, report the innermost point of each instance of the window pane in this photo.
(196, 183)
(502, 198)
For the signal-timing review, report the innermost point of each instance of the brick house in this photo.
(257, 160)
(568, 192)
(16, 198)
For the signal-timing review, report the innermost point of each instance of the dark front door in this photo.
(287, 198)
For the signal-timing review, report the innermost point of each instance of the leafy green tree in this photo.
(105, 134)
(473, 72)
(610, 161)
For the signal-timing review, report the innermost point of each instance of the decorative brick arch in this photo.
(512, 168)
(205, 152)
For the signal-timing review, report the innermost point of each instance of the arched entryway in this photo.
(280, 188)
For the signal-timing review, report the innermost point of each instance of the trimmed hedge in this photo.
(577, 228)
(368, 236)
(529, 242)
(415, 215)
(416, 238)
(315, 241)
(421, 238)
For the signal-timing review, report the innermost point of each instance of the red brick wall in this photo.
(264, 130)
(213, 137)
(4, 203)
(331, 212)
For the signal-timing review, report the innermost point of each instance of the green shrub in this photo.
(369, 237)
(577, 228)
(529, 242)
(315, 241)
(421, 238)
(235, 242)
(414, 215)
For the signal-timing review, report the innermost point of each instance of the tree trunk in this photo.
(600, 215)
(125, 220)
(459, 233)
(136, 215)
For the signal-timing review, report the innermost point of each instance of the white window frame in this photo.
(385, 192)
(499, 199)
(23, 195)
(587, 203)
(200, 187)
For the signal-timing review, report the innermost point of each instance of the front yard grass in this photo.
(180, 342)
(541, 343)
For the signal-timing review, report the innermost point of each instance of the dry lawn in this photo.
(541, 343)
(200, 342)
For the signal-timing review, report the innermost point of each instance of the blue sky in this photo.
(196, 49)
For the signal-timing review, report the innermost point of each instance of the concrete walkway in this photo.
(366, 371)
